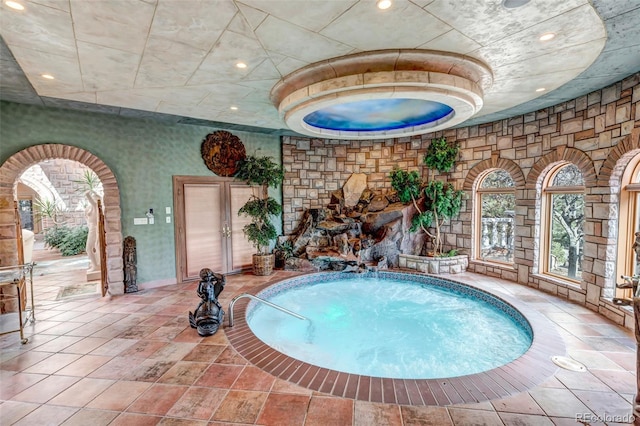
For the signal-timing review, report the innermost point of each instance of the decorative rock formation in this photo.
(358, 227)
(353, 188)
(378, 203)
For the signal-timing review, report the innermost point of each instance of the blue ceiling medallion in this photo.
(375, 115)
(382, 94)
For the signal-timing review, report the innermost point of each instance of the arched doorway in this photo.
(19, 162)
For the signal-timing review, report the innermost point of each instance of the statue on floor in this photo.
(208, 316)
(130, 259)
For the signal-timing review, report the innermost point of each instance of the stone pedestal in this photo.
(434, 265)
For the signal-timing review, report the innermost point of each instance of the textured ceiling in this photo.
(174, 60)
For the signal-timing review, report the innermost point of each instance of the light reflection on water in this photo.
(390, 328)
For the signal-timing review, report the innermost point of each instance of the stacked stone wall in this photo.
(63, 175)
(598, 132)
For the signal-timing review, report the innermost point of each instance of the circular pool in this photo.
(391, 325)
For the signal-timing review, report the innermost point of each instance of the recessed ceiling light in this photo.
(14, 5)
(383, 4)
(512, 4)
(47, 76)
(547, 36)
(541, 89)
(241, 65)
(233, 108)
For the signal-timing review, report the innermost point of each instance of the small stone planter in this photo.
(434, 265)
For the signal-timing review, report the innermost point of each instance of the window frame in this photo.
(479, 192)
(546, 219)
(628, 218)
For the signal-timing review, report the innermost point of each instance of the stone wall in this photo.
(598, 132)
(314, 168)
(63, 175)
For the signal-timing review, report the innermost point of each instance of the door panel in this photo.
(241, 249)
(208, 231)
(202, 227)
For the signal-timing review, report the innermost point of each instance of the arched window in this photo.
(629, 223)
(562, 221)
(496, 201)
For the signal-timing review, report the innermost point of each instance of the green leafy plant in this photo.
(44, 208)
(264, 172)
(53, 236)
(70, 241)
(283, 251)
(408, 185)
(88, 182)
(286, 248)
(441, 155)
(436, 201)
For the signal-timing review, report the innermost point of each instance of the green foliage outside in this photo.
(567, 230)
(88, 182)
(558, 252)
(47, 209)
(70, 241)
(568, 218)
(498, 204)
(262, 171)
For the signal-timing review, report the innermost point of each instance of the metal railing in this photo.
(257, 299)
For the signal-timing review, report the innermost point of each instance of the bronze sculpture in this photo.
(208, 316)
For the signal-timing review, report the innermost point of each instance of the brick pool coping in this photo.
(519, 375)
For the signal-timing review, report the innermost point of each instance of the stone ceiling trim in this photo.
(384, 60)
(450, 79)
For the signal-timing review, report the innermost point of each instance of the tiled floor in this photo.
(134, 360)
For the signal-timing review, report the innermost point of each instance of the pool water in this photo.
(391, 328)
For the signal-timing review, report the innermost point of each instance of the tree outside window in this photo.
(565, 213)
(495, 224)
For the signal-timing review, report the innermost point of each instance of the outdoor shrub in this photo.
(53, 236)
(70, 241)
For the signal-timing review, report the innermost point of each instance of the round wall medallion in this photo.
(221, 152)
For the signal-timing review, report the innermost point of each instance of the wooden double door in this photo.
(208, 229)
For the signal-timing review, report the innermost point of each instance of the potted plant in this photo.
(435, 201)
(283, 251)
(265, 173)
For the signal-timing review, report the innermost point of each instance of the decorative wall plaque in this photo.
(221, 152)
